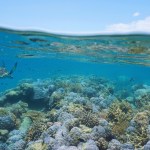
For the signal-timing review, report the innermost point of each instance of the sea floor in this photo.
(75, 113)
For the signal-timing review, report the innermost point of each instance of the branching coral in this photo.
(102, 143)
(52, 115)
(39, 125)
(84, 113)
(140, 137)
(142, 119)
(35, 131)
(142, 101)
(89, 119)
(119, 115)
(71, 84)
(75, 109)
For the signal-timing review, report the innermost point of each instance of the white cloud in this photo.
(135, 26)
(136, 14)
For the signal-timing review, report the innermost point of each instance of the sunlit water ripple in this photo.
(132, 49)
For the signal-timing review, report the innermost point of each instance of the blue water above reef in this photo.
(74, 91)
(42, 55)
(40, 68)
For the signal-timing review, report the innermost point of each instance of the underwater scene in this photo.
(65, 92)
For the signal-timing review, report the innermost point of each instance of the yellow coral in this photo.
(141, 118)
(75, 109)
(89, 119)
(35, 131)
(102, 143)
(85, 129)
(35, 115)
(140, 137)
(38, 146)
(119, 115)
(52, 115)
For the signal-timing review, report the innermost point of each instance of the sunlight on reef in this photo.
(74, 113)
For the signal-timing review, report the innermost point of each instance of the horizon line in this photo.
(70, 33)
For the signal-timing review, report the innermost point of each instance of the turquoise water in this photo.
(42, 55)
(116, 66)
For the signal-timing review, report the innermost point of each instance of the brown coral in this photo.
(89, 119)
(102, 143)
(52, 115)
(119, 115)
(142, 119)
(75, 109)
(35, 131)
(140, 137)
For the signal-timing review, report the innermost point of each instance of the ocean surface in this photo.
(42, 55)
(114, 70)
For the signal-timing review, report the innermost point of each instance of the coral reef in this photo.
(34, 115)
(3, 135)
(18, 145)
(114, 145)
(89, 119)
(7, 119)
(147, 146)
(75, 134)
(3, 146)
(35, 131)
(90, 144)
(75, 109)
(37, 145)
(142, 96)
(140, 136)
(119, 115)
(75, 113)
(18, 109)
(102, 143)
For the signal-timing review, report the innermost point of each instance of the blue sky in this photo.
(76, 16)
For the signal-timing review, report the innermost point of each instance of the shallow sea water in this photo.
(67, 88)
